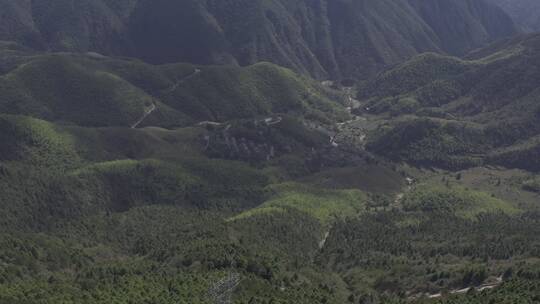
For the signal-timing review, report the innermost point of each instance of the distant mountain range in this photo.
(341, 38)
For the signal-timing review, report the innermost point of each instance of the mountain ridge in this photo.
(526, 13)
(125, 181)
(322, 38)
(480, 109)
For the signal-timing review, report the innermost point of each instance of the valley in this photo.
(317, 152)
(273, 191)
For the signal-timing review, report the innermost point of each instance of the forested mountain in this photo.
(463, 112)
(127, 182)
(526, 13)
(182, 151)
(334, 39)
(93, 90)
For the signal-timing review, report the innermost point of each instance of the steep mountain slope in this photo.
(93, 90)
(128, 182)
(323, 38)
(463, 25)
(461, 111)
(526, 13)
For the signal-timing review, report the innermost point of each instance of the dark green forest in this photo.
(141, 163)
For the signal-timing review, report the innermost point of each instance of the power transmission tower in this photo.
(221, 292)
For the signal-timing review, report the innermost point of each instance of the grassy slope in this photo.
(324, 205)
(38, 143)
(457, 200)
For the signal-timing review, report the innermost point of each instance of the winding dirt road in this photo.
(482, 287)
(167, 91)
(179, 82)
(146, 113)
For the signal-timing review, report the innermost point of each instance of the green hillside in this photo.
(457, 113)
(326, 206)
(224, 93)
(91, 215)
(454, 200)
(112, 213)
(60, 89)
(154, 152)
(98, 91)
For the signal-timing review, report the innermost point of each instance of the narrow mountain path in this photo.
(399, 197)
(482, 287)
(179, 82)
(153, 107)
(146, 113)
(323, 241)
(270, 121)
